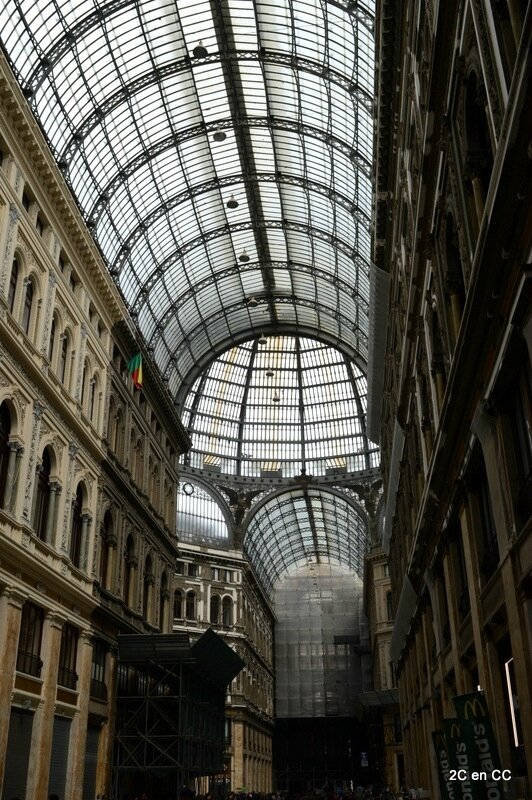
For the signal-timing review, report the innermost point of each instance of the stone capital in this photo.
(55, 620)
(14, 597)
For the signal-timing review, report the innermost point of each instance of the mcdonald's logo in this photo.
(455, 731)
(474, 708)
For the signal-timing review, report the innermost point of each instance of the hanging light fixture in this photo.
(219, 136)
(252, 302)
(270, 373)
(243, 257)
(232, 203)
(263, 340)
(276, 398)
(200, 51)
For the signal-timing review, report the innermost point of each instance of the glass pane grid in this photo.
(131, 107)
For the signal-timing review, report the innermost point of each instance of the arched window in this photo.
(389, 606)
(190, 610)
(119, 434)
(76, 544)
(129, 566)
(227, 612)
(84, 381)
(139, 463)
(5, 430)
(28, 305)
(51, 342)
(111, 422)
(13, 281)
(163, 601)
(63, 358)
(106, 537)
(42, 501)
(178, 604)
(147, 589)
(215, 610)
(93, 386)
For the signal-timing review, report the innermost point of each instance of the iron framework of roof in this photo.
(135, 98)
(221, 154)
(305, 526)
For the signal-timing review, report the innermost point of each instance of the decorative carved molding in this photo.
(9, 248)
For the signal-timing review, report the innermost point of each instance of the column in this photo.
(163, 622)
(132, 589)
(78, 731)
(43, 720)
(86, 521)
(105, 743)
(52, 513)
(13, 470)
(148, 611)
(109, 582)
(11, 603)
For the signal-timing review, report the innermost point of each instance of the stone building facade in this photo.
(452, 250)
(88, 475)
(381, 706)
(216, 589)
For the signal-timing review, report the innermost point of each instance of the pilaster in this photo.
(78, 732)
(43, 720)
(11, 602)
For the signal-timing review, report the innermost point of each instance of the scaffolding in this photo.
(170, 705)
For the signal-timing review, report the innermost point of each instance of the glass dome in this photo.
(277, 407)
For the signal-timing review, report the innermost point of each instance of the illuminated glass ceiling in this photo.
(158, 135)
(277, 406)
(305, 526)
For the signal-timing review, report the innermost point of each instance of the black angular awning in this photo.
(215, 660)
(210, 655)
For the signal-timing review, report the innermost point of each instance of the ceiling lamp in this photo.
(252, 302)
(200, 51)
(243, 257)
(232, 203)
(219, 136)
(270, 373)
(263, 340)
(276, 398)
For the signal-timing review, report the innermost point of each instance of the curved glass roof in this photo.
(199, 518)
(279, 406)
(220, 150)
(305, 526)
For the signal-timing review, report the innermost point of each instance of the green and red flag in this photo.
(135, 370)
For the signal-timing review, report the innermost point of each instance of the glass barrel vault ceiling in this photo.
(304, 527)
(156, 134)
(288, 405)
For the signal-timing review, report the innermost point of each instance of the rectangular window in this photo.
(29, 644)
(98, 685)
(67, 675)
(215, 574)
(490, 559)
(179, 568)
(193, 570)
